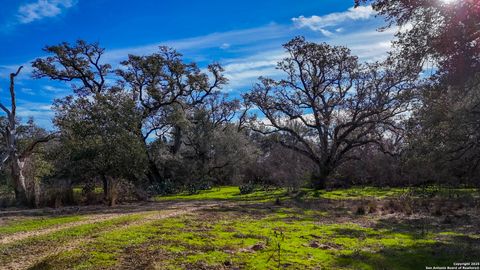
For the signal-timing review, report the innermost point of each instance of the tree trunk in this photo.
(177, 140)
(153, 173)
(105, 187)
(18, 178)
(112, 191)
(319, 178)
(35, 196)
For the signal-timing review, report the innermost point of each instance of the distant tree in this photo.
(18, 149)
(330, 104)
(444, 132)
(213, 146)
(164, 88)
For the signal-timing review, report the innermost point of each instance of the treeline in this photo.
(158, 124)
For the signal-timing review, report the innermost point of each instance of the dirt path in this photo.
(23, 235)
(29, 260)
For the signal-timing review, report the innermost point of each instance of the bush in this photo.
(165, 187)
(247, 188)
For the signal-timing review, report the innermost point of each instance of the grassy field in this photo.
(357, 228)
(230, 193)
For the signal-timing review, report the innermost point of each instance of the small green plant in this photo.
(276, 256)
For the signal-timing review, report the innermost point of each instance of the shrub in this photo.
(162, 188)
(247, 188)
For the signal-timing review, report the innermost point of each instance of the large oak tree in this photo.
(329, 104)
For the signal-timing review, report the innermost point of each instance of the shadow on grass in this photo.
(417, 256)
(435, 243)
(391, 243)
(101, 209)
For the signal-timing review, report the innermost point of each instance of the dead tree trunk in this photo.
(9, 134)
(19, 184)
(16, 157)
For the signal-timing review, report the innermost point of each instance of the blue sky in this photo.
(244, 36)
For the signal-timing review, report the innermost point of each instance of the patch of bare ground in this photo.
(33, 255)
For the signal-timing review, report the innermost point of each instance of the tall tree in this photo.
(99, 136)
(79, 64)
(329, 103)
(164, 88)
(17, 156)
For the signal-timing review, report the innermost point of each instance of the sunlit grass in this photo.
(232, 193)
(36, 224)
(228, 193)
(287, 237)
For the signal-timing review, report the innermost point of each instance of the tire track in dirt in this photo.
(30, 260)
(27, 234)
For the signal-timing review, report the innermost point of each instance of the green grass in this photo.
(79, 190)
(231, 193)
(356, 193)
(224, 237)
(319, 235)
(300, 238)
(36, 224)
(9, 252)
(228, 193)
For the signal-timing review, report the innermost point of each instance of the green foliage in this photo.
(99, 136)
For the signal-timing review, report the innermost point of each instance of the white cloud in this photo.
(28, 91)
(50, 88)
(5, 70)
(225, 46)
(368, 45)
(321, 23)
(244, 72)
(244, 37)
(41, 112)
(42, 9)
(251, 52)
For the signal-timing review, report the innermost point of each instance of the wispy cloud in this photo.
(244, 72)
(322, 23)
(40, 111)
(222, 40)
(245, 54)
(369, 45)
(28, 91)
(42, 9)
